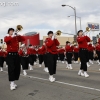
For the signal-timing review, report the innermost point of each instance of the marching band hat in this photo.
(67, 42)
(79, 32)
(10, 29)
(50, 32)
(30, 45)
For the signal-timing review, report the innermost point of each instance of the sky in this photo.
(45, 15)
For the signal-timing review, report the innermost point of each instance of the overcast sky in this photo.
(44, 15)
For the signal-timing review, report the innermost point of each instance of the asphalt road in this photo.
(68, 85)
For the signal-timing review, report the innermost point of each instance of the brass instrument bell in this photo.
(58, 33)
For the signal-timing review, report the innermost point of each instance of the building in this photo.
(62, 39)
(32, 38)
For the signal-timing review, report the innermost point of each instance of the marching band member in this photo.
(58, 57)
(1, 59)
(44, 53)
(5, 57)
(45, 57)
(12, 42)
(24, 58)
(88, 65)
(91, 51)
(61, 51)
(97, 52)
(35, 49)
(51, 43)
(69, 54)
(82, 41)
(31, 57)
(76, 53)
(40, 56)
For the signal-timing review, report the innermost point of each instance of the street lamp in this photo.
(80, 20)
(75, 16)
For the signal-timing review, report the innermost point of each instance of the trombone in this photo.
(87, 30)
(18, 28)
(58, 33)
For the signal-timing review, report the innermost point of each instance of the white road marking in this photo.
(79, 86)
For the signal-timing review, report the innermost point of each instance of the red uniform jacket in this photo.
(13, 43)
(42, 50)
(51, 45)
(68, 48)
(1, 53)
(99, 40)
(90, 48)
(82, 41)
(76, 49)
(21, 53)
(5, 54)
(30, 51)
(98, 47)
(61, 51)
(34, 51)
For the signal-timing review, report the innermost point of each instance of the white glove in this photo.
(43, 43)
(25, 52)
(55, 37)
(71, 45)
(52, 37)
(13, 35)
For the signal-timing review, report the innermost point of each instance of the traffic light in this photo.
(1, 41)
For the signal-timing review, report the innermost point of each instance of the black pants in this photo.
(76, 56)
(35, 57)
(90, 55)
(99, 55)
(1, 61)
(5, 59)
(13, 61)
(61, 56)
(45, 60)
(58, 57)
(31, 59)
(69, 57)
(52, 61)
(40, 59)
(24, 62)
(83, 58)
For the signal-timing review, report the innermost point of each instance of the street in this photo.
(68, 85)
